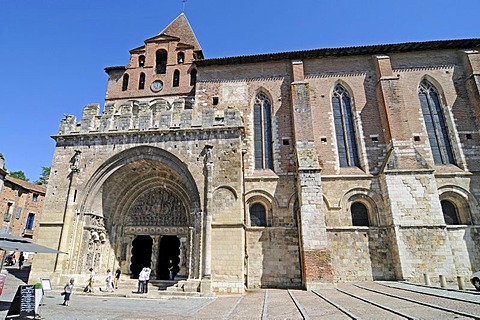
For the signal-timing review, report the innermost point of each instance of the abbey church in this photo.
(289, 170)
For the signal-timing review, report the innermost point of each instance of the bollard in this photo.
(443, 281)
(427, 279)
(461, 283)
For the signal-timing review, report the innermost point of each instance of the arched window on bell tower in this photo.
(141, 81)
(161, 62)
(435, 123)
(141, 61)
(180, 57)
(125, 82)
(193, 77)
(176, 78)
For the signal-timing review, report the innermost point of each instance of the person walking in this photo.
(21, 260)
(67, 291)
(108, 281)
(91, 281)
(118, 272)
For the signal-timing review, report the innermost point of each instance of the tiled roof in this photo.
(345, 51)
(26, 185)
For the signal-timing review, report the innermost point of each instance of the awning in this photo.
(10, 242)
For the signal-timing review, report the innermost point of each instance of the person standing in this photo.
(147, 278)
(141, 281)
(67, 291)
(21, 259)
(170, 270)
(118, 272)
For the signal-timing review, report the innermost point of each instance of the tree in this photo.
(19, 175)
(43, 180)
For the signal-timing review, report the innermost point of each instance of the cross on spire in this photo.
(183, 5)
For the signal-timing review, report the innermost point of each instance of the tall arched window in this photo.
(125, 82)
(450, 213)
(359, 214)
(176, 78)
(344, 127)
(262, 131)
(258, 215)
(435, 123)
(141, 61)
(193, 77)
(161, 62)
(141, 81)
(180, 57)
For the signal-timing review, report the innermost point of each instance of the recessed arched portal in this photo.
(141, 255)
(139, 197)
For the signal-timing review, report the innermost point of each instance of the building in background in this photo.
(21, 204)
(290, 169)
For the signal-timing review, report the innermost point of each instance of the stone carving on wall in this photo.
(234, 92)
(157, 207)
(95, 237)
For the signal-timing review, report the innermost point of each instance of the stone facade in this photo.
(237, 170)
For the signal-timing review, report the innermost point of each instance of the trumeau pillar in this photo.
(471, 61)
(154, 257)
(316, 257)
(417, 233)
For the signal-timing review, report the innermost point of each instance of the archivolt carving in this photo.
(157, 207)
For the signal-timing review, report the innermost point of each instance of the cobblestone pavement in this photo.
(328, 303)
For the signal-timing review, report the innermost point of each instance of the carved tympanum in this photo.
(157, 207)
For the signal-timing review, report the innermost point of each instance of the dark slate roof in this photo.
(345, 51)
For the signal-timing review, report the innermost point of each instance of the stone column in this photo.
(207, 254)
(315, 255)
(128, 258)
(183, 256)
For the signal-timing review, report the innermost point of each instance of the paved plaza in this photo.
(345, 301)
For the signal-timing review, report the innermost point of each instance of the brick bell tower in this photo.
(162, 67)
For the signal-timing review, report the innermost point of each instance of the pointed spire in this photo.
(180, 28)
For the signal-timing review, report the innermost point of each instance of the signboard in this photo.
(23, 303)
(27, 301)
(3, 277)
(46, 285)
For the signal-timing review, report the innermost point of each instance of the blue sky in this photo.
(53, 53)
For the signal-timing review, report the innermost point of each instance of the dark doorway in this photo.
(141, 255)
(169, 249)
